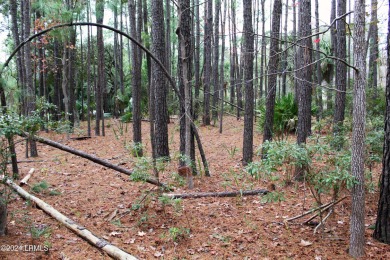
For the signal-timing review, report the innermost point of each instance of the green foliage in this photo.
(279, 155)
(10, 124)
(178, 233)
(175, 203)
(127, 117)
(44, 188)
(272, 197)
(376, 102)
(339, 139)
(231, 150)
(285, 115)
(38, 231)
(141, 169)
(40, 187)
(179, 181)
(136, 149)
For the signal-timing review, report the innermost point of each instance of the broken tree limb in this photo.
(330, 205)
(323, 221)
(216, 194)
(90, 157)
(320, 208)
(27, 177)
(81, 231)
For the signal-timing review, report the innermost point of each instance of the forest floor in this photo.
(202, 228)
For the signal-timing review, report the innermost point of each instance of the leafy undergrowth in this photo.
(132, 216)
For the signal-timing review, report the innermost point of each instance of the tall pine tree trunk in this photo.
(304, 78)
(273, 69)
(318, 65)
(341, 68)
(100, 85)
(247, 152)
(197, 60)
(160, 102)
(208, 29)
(263, 48)
(374, 50)
(30, 91)
(135, 80)
(357, 227)
(382, 226)
(216, 60)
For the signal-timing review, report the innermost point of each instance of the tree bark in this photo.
(273, 65)
(247, 151)
(136, 80)
(285, 52)
(158, 49)
(341, 68)
(197, 60)
(318, 66)
(208, 34)
(333, 42)
(100, 84)
(357, 241)
(215, 67)
(15, 35)
(185, 59)
(222, 85)
(263, 49)
(374, 49)
(30, 91)
(304, 78)
(382, 226)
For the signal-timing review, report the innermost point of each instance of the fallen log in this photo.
(84, 233)
(216, 194)
(90, 157)
(27, 177)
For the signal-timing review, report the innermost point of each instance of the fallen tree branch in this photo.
(320, 208)
(322, 222)
(90, 157)
(27, 177)
(100, 243)
(323, 210)
(28, 161)
(216, 194)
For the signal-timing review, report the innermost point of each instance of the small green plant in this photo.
(141, 169)
(231, 150)
(222, 238)
(175, 203)
(117, 222)
(272, 197)
(178, 180)
(136, 149)
(37, 231)
(54, 193)
(279, 156)
(285, 116)
(40, 187)
(127, 117)
(44, 188)
(177, 233)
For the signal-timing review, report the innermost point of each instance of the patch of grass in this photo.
(178, 233)
(40, 187)
(272, 197)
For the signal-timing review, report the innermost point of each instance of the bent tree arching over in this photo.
(148, 52)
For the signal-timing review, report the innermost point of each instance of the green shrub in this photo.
(285, 115)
